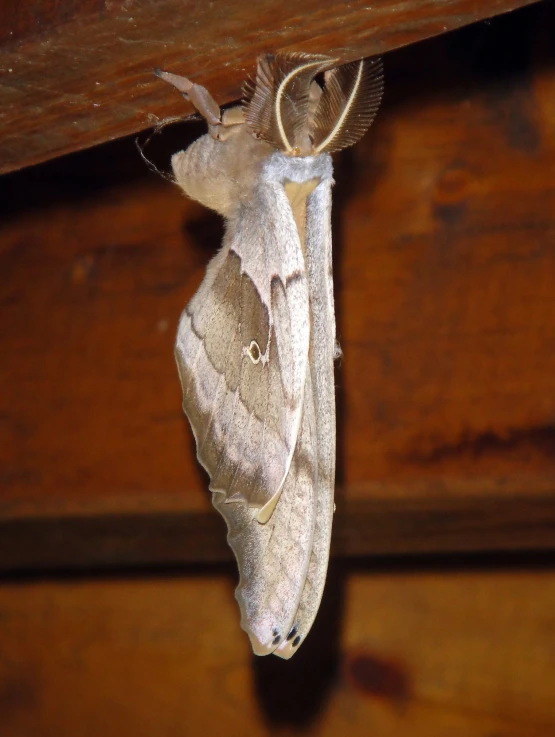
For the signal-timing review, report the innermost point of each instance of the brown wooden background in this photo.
(116, 608)
(79, 72)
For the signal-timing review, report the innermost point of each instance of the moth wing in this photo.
(315, 578)
(273, 558)
(321, 369)
(242, 353)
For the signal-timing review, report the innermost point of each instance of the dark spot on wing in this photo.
(296, 641)
(292, 634)
(254, 351)
(276, 640)
(292, 278)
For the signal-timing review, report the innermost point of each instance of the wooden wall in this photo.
(447, 652)
(444, 227)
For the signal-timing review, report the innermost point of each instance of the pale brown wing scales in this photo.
(241, 410)
(273, 558)
(322, 346)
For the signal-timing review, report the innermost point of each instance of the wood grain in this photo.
(444, 229)
(376, 520)
(36, 18)
(430, 653)
(77, 77)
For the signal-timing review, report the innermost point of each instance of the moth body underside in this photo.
(256, 344)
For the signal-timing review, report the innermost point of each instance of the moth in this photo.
(256, 344)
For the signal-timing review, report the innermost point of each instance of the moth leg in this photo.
(197, 96)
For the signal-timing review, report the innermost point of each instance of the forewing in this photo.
(273, 558)
(321, 369)
(242, 352)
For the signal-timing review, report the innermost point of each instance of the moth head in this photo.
(305, 105)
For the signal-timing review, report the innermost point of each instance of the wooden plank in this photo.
(371, 521)
(90, 79)
(444, 223)
(430, 653)
(27, 20)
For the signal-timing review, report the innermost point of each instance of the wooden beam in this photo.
(369, 522)
(83, 81)
(443, 651)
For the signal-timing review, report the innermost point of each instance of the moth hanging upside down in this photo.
(256, 344)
